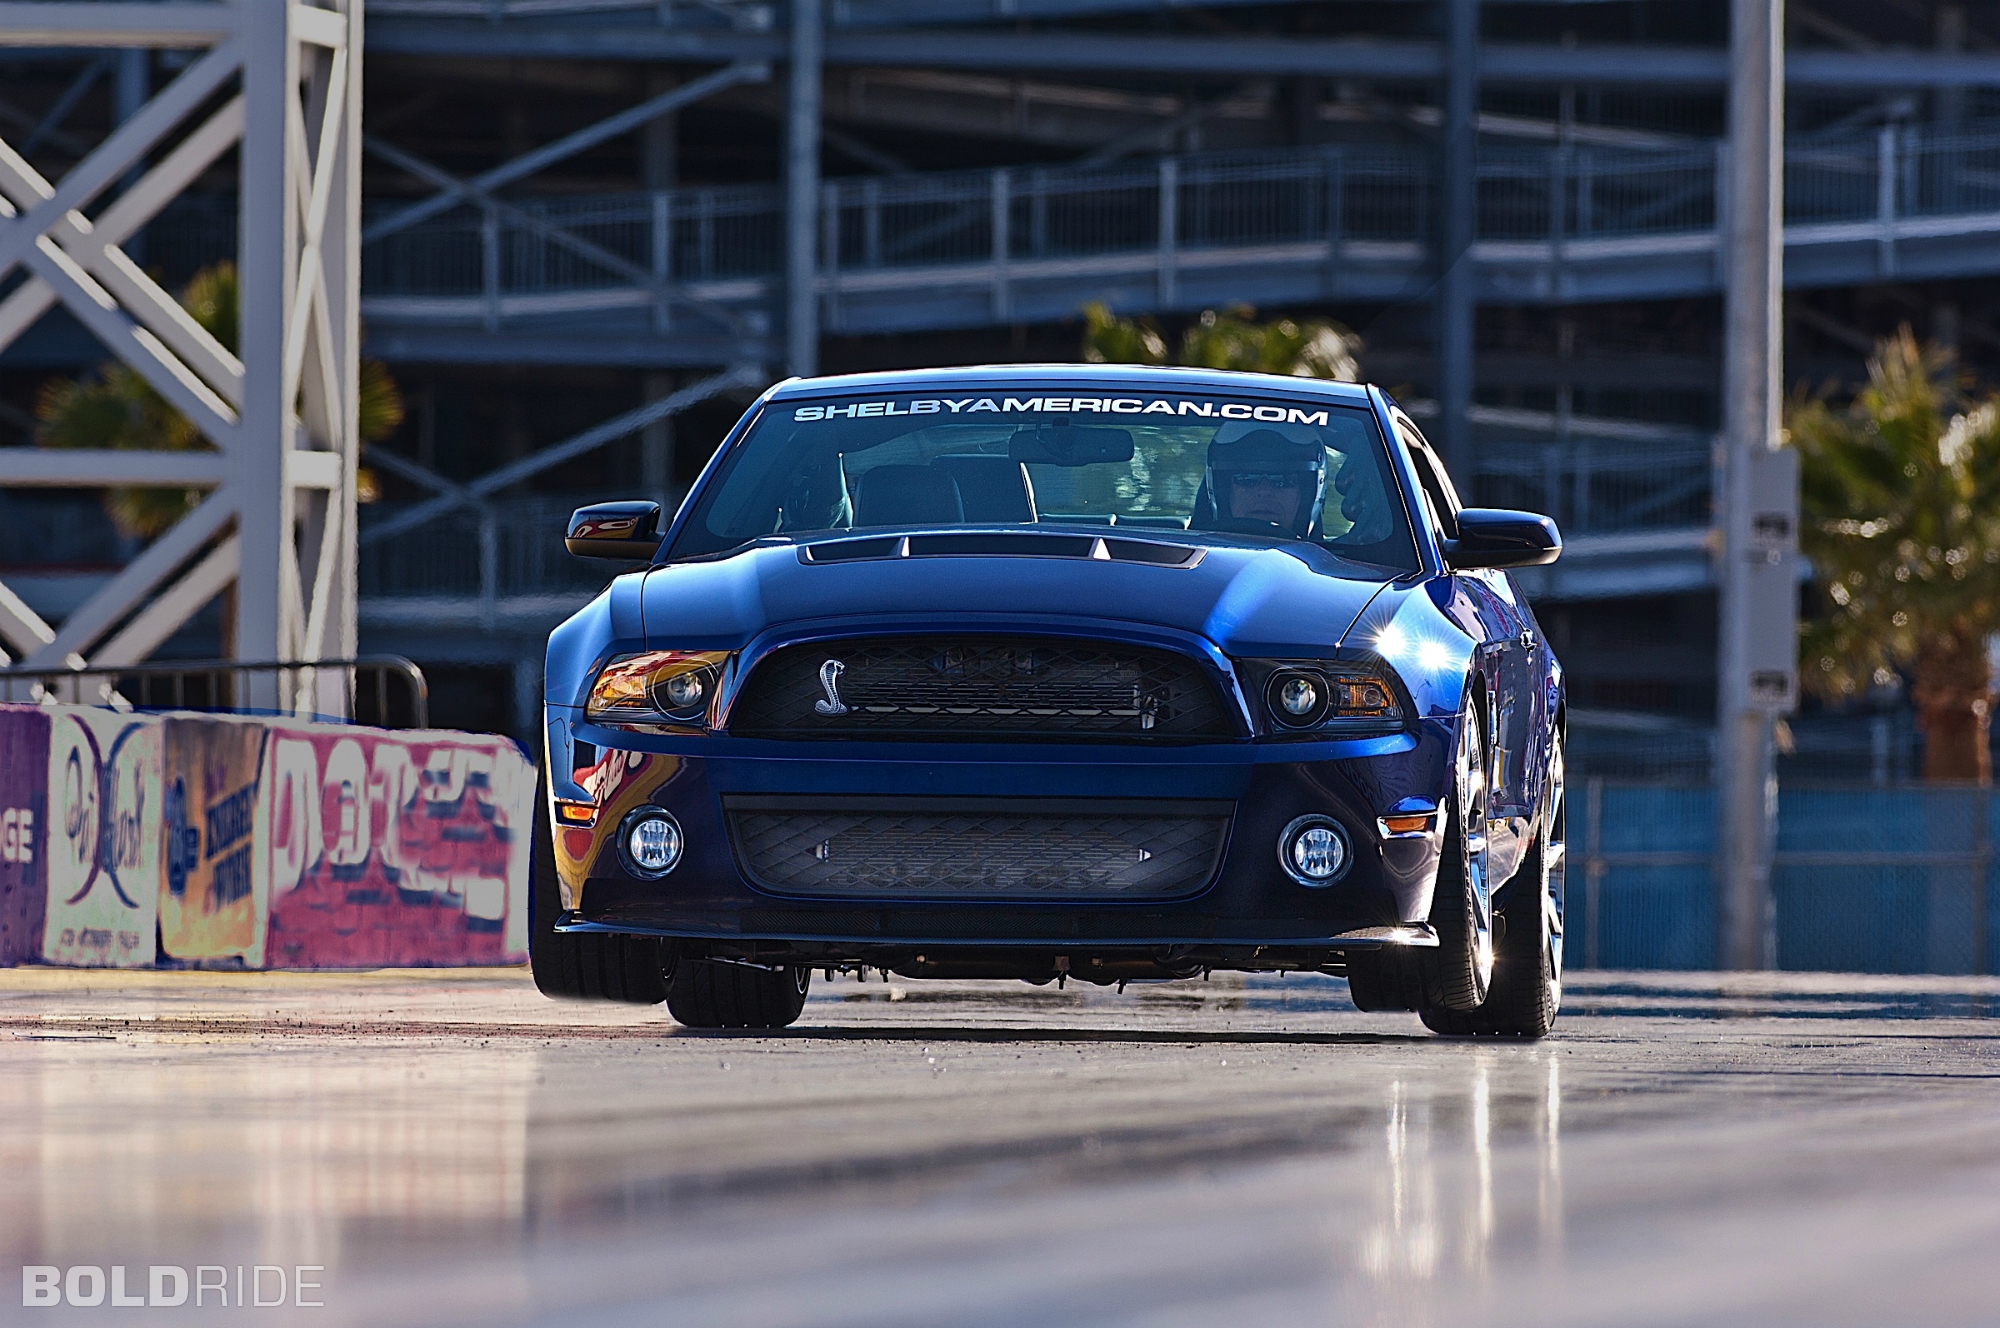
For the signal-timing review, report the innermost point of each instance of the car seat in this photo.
(895, 495)
(992, 488)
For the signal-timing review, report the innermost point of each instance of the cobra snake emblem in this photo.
(829, 678)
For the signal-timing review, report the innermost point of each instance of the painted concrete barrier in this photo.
(131, 840)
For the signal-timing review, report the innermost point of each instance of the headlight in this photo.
(674, 686)
(1298, 698)
(1305, 696)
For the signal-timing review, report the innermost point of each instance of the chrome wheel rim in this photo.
(1555, 869)
(1473, 790)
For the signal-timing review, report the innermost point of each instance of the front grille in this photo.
(1005, 688)
(960, 848)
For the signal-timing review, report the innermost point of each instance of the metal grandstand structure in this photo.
(967, 249)
(278, 86)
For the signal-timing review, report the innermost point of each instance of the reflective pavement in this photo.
(449, 1147)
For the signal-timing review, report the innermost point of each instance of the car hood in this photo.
(1248, 601)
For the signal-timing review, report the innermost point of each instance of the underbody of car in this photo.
(952, 674)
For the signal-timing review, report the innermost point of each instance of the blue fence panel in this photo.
(1866, 880)
(1882, 880)
(1649, 913)
(1911, 819)
(1989, 944)
(1875, 918)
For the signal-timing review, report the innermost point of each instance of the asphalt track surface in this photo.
(453, 1148)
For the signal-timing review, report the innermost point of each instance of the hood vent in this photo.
(982, 544)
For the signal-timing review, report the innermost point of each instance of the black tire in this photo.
(1527, 969)
(588, 967)
(706, 993)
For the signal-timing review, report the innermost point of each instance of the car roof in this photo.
(1001, 376)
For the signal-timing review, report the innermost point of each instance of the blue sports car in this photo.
(1058, 673)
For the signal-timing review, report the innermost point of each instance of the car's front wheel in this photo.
(1453, 976)
(1458, 971)
(584, 966)
(1527, 973)
(713, 993)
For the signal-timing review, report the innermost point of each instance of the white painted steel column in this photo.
(802, 114)
(339, 621)
(1757, 677)
(266, 266)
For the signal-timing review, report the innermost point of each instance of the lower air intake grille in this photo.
(967, 847)
(979, 688)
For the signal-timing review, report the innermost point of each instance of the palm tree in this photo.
(1900, 498)
(115, 408)
(1232, 339)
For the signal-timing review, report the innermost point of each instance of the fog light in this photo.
(1313, 851)
(650, 842)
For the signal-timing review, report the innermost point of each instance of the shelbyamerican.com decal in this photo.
(1177, 408)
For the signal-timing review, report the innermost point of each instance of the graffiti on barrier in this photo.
(24, 775)
(102, 842)
(216, 893)
(388, 849)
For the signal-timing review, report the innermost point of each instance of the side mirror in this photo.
(626, 531)
(1496, 537)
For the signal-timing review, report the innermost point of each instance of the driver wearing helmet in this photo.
(1263, 480)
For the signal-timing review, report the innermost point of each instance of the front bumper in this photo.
(1249, 901)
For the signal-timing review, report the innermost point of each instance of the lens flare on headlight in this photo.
(1425, 653)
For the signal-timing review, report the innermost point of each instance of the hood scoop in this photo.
(998, 544)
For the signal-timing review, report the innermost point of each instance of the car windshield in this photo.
(1265, 467)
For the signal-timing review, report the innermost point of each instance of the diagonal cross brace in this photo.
(528, 163)
(118, 153)
(410, 470)
(556, 454)
(95, 248)
(558, 235)
(51, 124)
(74, 262)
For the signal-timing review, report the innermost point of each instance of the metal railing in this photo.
(479, 558)
(358, 689)
(1567, 195)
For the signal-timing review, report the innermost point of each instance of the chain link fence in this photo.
(1865, 879)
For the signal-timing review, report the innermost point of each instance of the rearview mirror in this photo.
(1496, 537)
(627, 531)
(1069, 445)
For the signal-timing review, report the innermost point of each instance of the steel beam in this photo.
(1757, 669)
(802, 116)
(89, 24)
(1384, 61)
